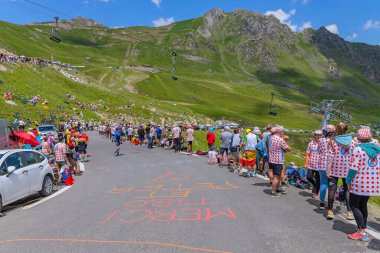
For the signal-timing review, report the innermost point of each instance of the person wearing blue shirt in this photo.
(116, 139)
(158, 132)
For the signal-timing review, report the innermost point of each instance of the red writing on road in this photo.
(181, 214)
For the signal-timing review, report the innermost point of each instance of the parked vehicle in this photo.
(45, 129)
(23, 173)
(5, 141)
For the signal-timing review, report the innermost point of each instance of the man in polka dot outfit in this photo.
(276, 149)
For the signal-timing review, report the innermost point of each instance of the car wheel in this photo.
(47, 186)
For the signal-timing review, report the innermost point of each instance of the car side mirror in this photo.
(10, 170)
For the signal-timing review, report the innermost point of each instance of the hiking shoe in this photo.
(330, 215)
(359, 236)
(276, 195)
(282, 191)
(322, 206)
(350, 215)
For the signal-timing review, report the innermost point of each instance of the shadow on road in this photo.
(343, 226)
(268, 192)
(305, 194)
(315, 202)
(262, 184)
(374, 244)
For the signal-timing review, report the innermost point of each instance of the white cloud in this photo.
(333, 28)
(157, 2)
(163, 21)
(291, 26)
(353, 36)
(305, 25)
(281, 15)
(284, 17)
(371, 25)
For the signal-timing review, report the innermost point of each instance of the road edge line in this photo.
(47, 198)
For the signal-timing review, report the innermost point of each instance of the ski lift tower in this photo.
(331, 109)
(174, 54)
(54, 36)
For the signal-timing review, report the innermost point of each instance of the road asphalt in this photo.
(158, 201)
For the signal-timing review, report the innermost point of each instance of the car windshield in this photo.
(45, 128)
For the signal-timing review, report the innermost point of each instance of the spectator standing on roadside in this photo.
(189, 138)
(211, 139)
(176, 131)
(311, 163)
(225, 137)
(276, 149)
(323, 143)
(60, 150)
(151, 137)
(235, 149)
(250, 142)
(147, 131)
(130, 133)
(365, 161)
(158, 133)
(141, 134)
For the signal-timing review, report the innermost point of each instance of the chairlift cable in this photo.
(32, 9)
(48, 8)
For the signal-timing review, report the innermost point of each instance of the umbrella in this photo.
(27, 138)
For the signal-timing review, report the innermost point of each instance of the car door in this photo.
(34, 168)
(15, 185)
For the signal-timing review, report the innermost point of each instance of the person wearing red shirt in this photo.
(211, 139)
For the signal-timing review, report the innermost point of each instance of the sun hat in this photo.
(364, 134)
(247, 130)
(330, 128)
(318, 132)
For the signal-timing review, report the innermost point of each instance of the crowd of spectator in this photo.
(11, 58)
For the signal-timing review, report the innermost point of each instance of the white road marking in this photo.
(47, 198)
(370, 230)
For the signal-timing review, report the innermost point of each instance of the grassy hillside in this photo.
(227, 74)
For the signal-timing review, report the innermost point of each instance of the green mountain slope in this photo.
(227, 65)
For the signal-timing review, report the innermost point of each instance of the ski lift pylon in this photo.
(54, 37)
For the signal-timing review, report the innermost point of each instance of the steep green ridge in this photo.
(227, 66)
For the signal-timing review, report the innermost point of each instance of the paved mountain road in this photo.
(157, 201)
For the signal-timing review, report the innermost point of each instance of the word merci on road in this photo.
(170, 203)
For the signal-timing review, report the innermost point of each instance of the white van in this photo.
(5, 130)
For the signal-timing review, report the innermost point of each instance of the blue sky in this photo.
(353, 20)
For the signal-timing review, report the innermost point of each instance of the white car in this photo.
(23, 173)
